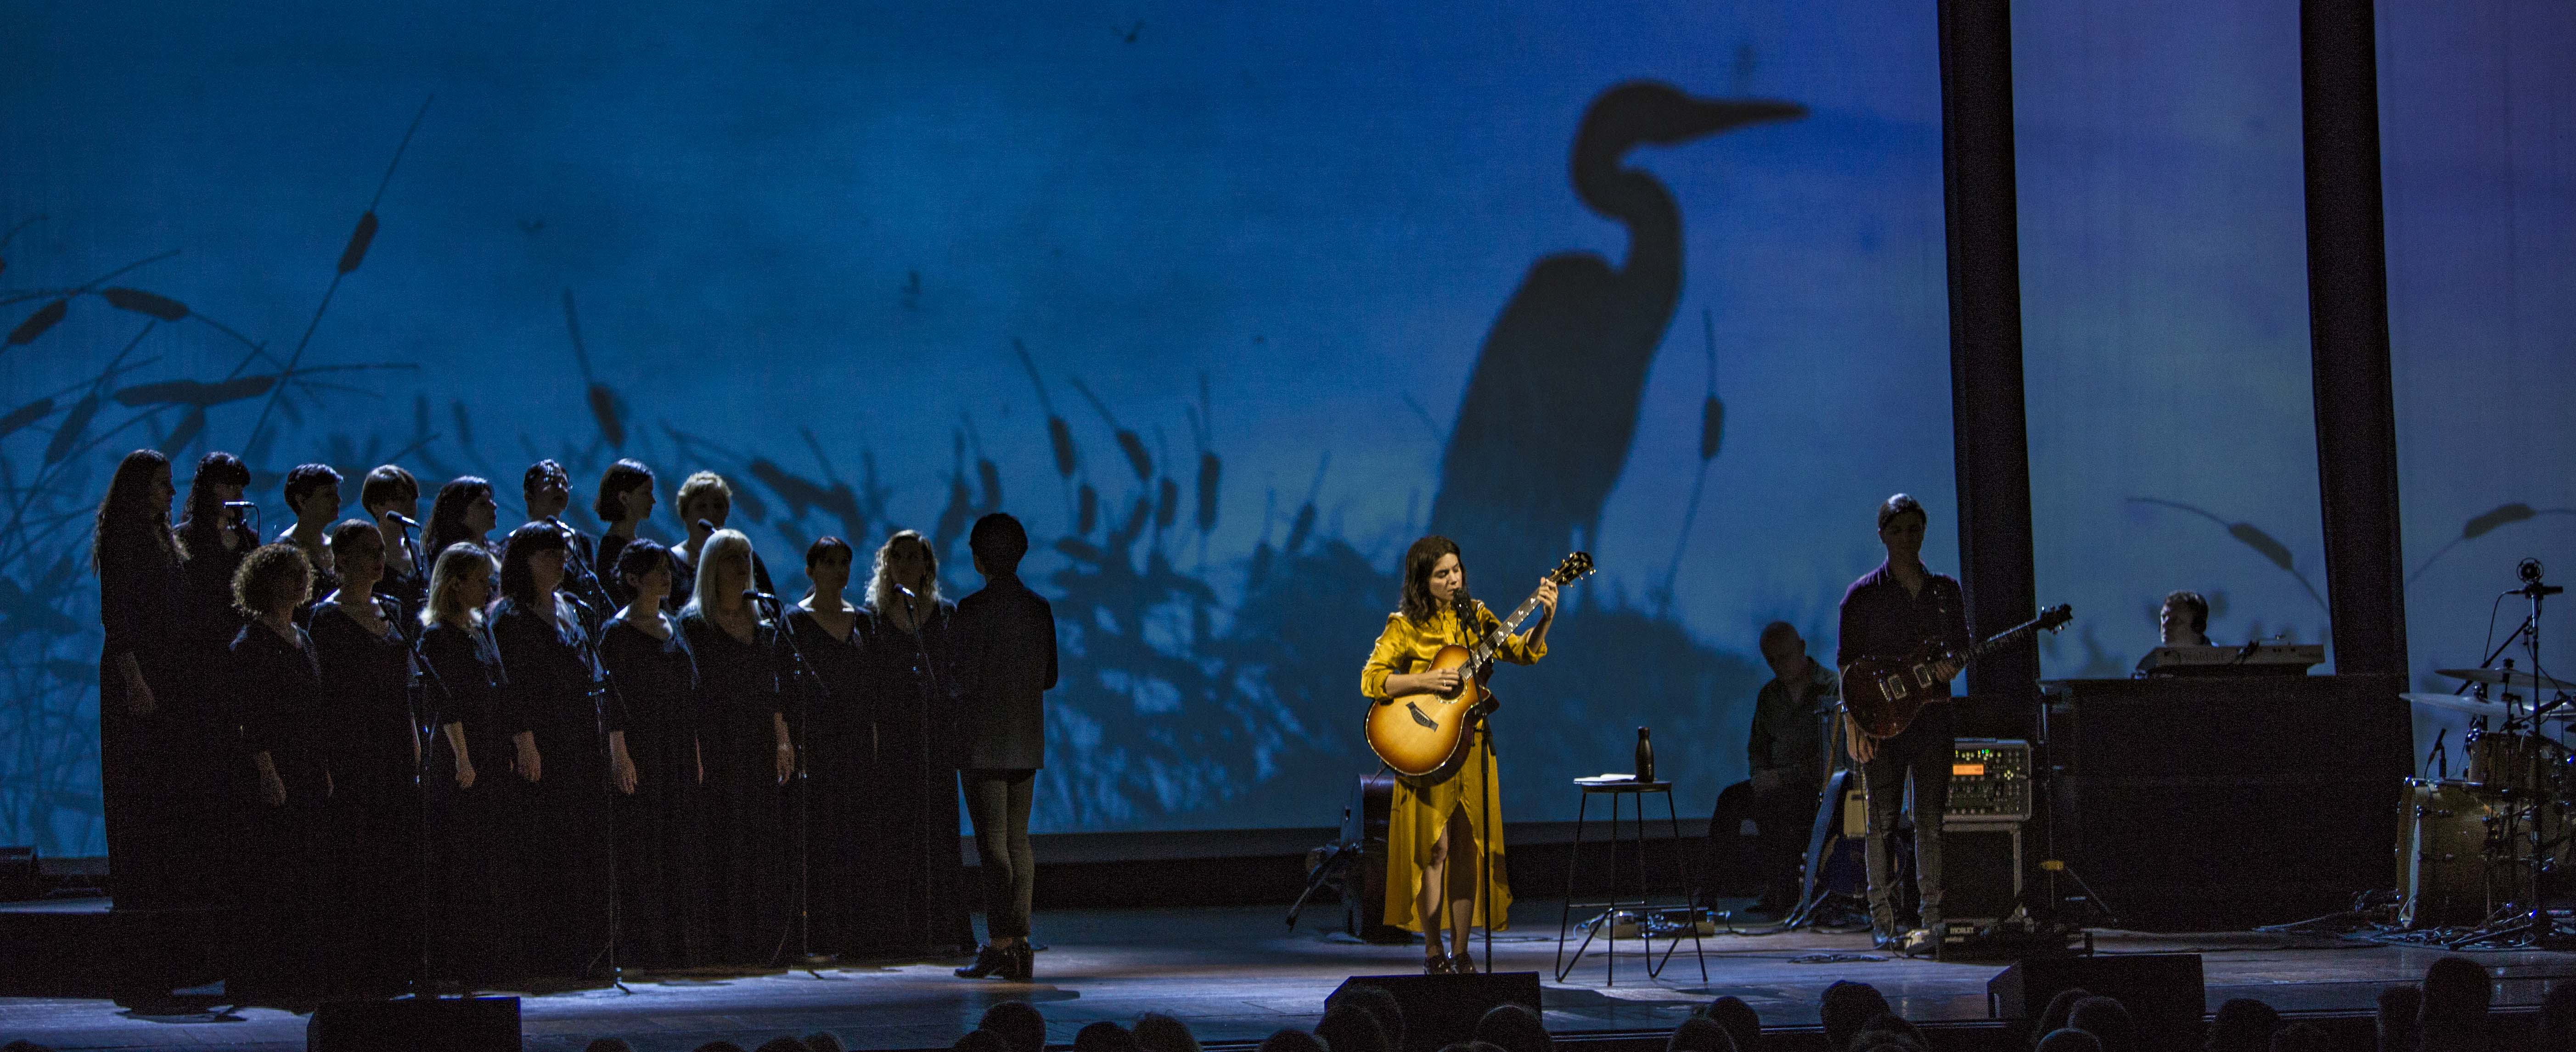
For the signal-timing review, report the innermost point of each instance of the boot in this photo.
(988, 960)
(1023, 966)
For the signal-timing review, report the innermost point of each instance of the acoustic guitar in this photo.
(1425, 733)
(1883, 696)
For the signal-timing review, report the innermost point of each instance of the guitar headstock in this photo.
(1574, 567)
(2056, 617)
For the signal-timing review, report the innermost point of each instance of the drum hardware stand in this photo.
(2532, 922)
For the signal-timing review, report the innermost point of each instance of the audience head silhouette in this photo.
(1104, 1036)
(2243, 1025)
(1740, 1020)
(1847, 1006)
(1700, 1034)
(1512, 1027)
(1377, 1001)
(2107, 1020)
(1348, 1027)
(1156, 1032)
(1018, 1023)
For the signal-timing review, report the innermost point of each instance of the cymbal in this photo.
(2477, 706)
(2525, 680)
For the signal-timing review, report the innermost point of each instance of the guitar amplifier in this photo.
(1990, 780)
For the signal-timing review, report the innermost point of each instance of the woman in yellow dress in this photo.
(1431, 813)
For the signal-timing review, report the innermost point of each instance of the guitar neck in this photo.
(2005, 638)
(1485, 646)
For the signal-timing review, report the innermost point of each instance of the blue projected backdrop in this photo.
(1294, 284)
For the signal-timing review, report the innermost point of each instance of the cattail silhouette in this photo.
(1712, 431)
(1059, 433)
(196, 392)
(1128, 441)
(1169, 510)
(1211, 469)
(190, 426)
(141, 302)
(989, 475)
(26, 414)
(464, 426)
(36, 324)
(75, 423)
(1088, 514)
(359, 239)
(2251, 536)
(603, 402)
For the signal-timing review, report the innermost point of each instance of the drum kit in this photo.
(2484, 854)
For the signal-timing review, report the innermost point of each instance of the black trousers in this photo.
(997, 802)
(1921, 755)
(1781, 819)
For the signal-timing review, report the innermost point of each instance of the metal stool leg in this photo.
(1565, 918)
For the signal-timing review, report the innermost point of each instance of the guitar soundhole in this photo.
(1418, 716)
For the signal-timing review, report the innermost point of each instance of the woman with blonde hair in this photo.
(474, 887)
(910, 652)
(704, 503)
(746, 749)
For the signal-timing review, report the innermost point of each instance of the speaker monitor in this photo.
(2162, 991)
(468, 1024)
(1442, 1009)
(1981, 871)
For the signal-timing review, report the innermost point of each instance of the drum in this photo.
(2443, 866)
(2526, 765)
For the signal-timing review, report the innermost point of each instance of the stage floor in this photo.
(1236, 974)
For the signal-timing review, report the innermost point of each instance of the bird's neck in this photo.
(1639, 202)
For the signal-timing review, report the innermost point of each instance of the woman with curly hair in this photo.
(279, 704)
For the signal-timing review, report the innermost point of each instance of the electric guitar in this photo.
(1423, 733)
(1883, 696)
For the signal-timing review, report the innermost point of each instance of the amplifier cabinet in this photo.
(2218, 804)
(1981, 871)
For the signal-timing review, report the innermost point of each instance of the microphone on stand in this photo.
(707, 526)
(758, 596)
(238, 504)
(907, 593)
(402, 520)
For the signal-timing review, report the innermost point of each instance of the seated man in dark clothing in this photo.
(1786, 753)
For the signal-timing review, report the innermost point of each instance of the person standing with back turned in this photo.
(1007, 665)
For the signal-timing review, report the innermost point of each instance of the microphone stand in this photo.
(603, 688)
(928, 684)
(808, 683)
(425, 736)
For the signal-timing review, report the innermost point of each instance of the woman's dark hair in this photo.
(518, 582)
(128, 527)
(639, 557)
(303, 479)
(201, 526)
(386, 484)
(614, 483)
(540, 472)
(447, 513)
(269, 575)
(826, 545)
(1418, 606)
(349, 533)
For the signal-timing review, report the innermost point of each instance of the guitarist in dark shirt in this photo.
(1888, 613)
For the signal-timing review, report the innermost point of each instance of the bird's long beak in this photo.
(1706, 116)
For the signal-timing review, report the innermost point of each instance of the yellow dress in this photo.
(1422, 806)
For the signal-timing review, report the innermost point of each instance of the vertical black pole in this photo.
(1987, 423)
(2348, 336)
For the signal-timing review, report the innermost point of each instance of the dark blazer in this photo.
(1006, 659)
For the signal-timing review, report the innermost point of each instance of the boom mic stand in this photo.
(2533, 924)
(603, 688)
(808, 684)
(425, 742)
(928, 682)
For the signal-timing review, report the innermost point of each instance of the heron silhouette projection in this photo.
(1551, 406)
